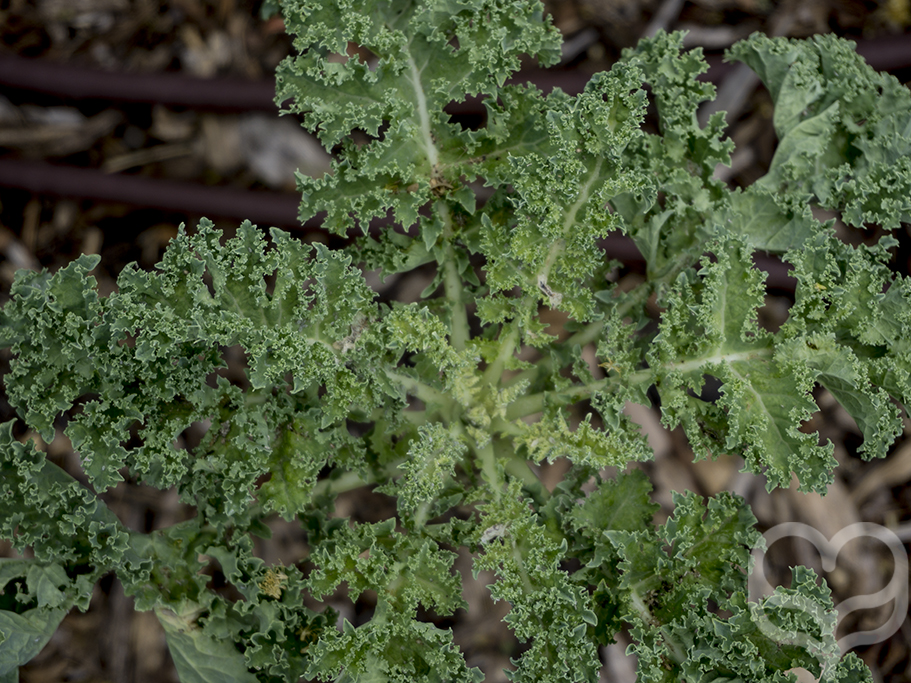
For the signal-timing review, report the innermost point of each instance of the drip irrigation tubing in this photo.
(273, 208)
(69, 81)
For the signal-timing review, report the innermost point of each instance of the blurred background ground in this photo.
(117, 166)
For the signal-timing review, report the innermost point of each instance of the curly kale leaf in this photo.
(197, 656)
(850, 324)
(50, 322)
(620, 504)
(680, 579)
(391, 648)
(33, 604)
(146, 359)
(429, 466)
(423, 55)
(550, 437)
(264, 636)
(671, 222)
(405, 570)
(844, 129)
(558, 190)
(838, 336)
(268, 631)
(547, 608)
(710, 328)
(45, 509)
(74, 537)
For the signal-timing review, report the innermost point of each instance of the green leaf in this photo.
(543, 599)
(550, 438)
(561, 181)
(390, 649)
(850, 309)
(711, 328)
(23, 636)
(699, 555)
(294, 464)
(620, 504)
(405, 570)
(431, 460)
(34, 599)
(417, 72)
(64, 523)
(843, 127)
(198, 657)
(49, 323)
(848, 379)
(769, 221)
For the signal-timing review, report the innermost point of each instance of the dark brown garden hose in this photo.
(264, 208)
(886, 53)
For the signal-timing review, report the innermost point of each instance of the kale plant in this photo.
(464, 392)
